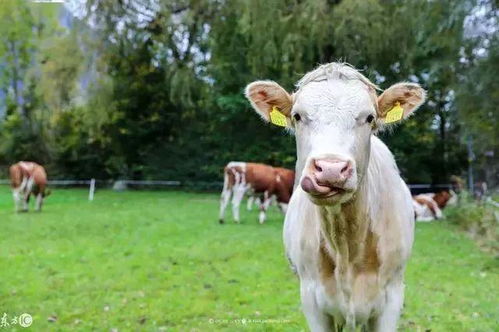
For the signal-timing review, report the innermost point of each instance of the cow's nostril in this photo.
(318, 168)
(344, 169)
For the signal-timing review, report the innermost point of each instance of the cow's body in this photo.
(351, 259)
(255, 180)
(349, 226)
(287, 177)
(28, 178)
(285, 180)
(428, 207)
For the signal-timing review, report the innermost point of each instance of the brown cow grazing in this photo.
(288, 178)
(255, 180)
(28, 178)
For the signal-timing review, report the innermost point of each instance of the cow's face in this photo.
(333, 120)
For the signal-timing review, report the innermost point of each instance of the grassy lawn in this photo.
(159, 261)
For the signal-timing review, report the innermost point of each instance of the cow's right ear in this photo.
(265, 95)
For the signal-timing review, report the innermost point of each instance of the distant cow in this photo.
(428, 207)
(255, 180)
(287, 177)
(28, 178)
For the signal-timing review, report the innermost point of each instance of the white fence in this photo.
(91, 183)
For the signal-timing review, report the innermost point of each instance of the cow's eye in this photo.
(370, 118)
(297, 117)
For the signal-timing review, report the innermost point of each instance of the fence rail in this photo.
(131, 182)
(152, 182)
(92, 183)
(180, 183)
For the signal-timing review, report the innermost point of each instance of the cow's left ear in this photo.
(404, 97)
(265, 95)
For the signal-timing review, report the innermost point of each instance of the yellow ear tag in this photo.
(395, 114)
(277, 118)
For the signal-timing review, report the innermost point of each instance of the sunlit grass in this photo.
(159, 261)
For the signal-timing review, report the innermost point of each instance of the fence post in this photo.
(471, 158)
(92, 190)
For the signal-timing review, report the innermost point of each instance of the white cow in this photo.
(350, 223)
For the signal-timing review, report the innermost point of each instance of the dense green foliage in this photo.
(153, 89)
(479, 220)
(159, 261)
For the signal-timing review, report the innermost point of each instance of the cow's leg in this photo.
(273, 201)
(25, 201)
(438, 212)
(27, 193)
(19, 194)
(318, 321)
(387, 320)
(251, 200)
(39, 202)
(283, 207)
(237, 197)
(16, 194)
(224, 200)
(264, 205)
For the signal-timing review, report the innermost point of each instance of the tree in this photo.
(16, 48)
(153, 89)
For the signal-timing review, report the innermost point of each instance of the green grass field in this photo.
(159, 261)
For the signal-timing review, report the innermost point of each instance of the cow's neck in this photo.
(347, 228)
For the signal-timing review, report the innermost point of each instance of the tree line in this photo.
(150, 89)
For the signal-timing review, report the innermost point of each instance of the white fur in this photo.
(39, 202)
(237, 191)
(21, 194)
(225, 197)
(249, 203)
(388, 203)
(264, 206)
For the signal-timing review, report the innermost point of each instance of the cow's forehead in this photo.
(333, 96)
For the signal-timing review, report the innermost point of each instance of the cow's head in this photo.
(333, 113)
(442, 198)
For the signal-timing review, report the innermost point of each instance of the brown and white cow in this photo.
(28, 178)
(288, 178)
(349, 226)
(428, 207)
(255, 180)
